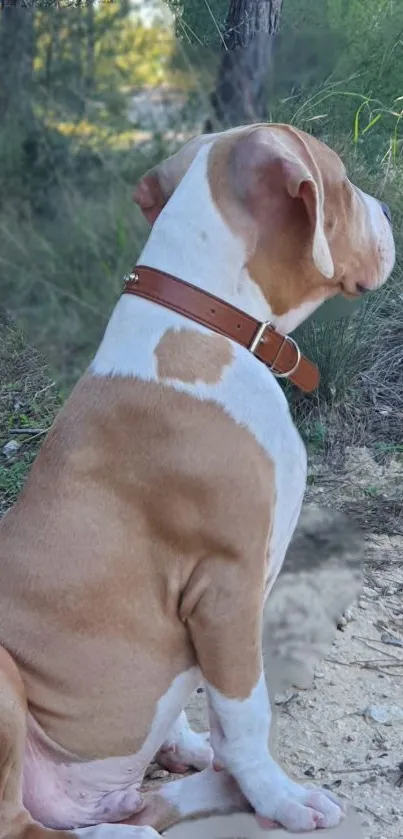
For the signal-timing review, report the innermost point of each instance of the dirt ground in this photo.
(347, 730)
(328, 732)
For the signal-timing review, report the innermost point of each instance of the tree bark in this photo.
(17, 45)
(241, 90)
(90, 71)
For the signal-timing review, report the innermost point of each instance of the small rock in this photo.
(158, 774)
(384, 714)
(10, 449)
(286, 698)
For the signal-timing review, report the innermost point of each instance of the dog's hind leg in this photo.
(15, 821)
(184, 748)
(204, 793)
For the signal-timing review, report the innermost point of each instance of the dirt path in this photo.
(347, 730)
(328, 730)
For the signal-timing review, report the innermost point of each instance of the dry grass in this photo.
(28, 400)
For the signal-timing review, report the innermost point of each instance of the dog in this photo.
(137, 560)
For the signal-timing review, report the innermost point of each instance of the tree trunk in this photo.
(18, 137)
(90, 71)
(17, 44)
(240, 96)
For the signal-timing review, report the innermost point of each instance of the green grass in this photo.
(29, 400)
(65, 243)
(12, 478)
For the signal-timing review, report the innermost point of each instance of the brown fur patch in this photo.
(139, 527)
(36, 831)
(191, 356)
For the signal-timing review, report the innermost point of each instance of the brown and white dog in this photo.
(155, 520)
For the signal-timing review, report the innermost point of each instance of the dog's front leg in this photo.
(223, 608)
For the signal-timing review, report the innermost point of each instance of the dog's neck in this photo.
(191, 240)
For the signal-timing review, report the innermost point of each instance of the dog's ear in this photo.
(149, 196)
(155, 188)
(262, 165)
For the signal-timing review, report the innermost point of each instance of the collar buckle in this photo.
(259, 337)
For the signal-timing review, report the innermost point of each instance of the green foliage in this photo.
(12, 478)
(339, 72)
(199, 22)
(86, 58)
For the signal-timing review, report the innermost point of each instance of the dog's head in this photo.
(309, 233)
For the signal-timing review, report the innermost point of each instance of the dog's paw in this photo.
(299, 809)
(188, 751)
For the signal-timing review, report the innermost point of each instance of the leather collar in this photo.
(280, 353)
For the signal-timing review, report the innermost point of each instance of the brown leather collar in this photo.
(280, 353)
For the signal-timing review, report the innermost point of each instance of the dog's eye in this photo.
(386, 212)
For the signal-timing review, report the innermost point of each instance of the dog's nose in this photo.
(386, 211)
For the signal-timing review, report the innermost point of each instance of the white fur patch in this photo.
(239, 736)
(208, 791)
(184, 746)
(115, 831)
(381, 230)
(288, 322)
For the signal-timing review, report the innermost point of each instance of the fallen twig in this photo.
(35, 431)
